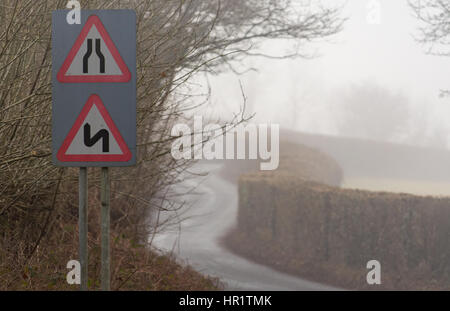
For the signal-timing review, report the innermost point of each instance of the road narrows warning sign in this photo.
(94, 137)
(94, 57)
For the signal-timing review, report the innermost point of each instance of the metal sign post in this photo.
(106, 261)
(94, 108)
(83, 226)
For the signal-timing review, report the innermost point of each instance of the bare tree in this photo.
(176, 39)
(373, 112)
(435, 29)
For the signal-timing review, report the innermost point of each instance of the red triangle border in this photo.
(126, 75)
(125, 157)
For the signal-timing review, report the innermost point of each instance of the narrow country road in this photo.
(196, 240)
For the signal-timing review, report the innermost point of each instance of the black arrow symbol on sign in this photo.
(102, 134)
(98, 51)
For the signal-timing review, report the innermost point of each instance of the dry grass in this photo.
(134, 267)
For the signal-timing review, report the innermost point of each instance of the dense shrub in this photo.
(329, 234)
(176, 40)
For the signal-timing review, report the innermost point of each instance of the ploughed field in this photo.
(417, 187)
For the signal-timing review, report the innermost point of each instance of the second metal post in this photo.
(105, 199)
(83, 226)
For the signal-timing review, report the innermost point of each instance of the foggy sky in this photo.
(301, 94)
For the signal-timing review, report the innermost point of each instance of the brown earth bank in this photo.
(290, 220)
(133, 266)
(41, 262)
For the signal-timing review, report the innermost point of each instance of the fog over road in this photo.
(211, 215)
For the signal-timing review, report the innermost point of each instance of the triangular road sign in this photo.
(94, 57)
(94, 137)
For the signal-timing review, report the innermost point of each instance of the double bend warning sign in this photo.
(94, 137)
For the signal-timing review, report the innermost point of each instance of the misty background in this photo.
(373, 80)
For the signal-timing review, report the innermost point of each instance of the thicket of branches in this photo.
(176, 39)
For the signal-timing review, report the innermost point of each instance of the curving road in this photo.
(195, 240)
